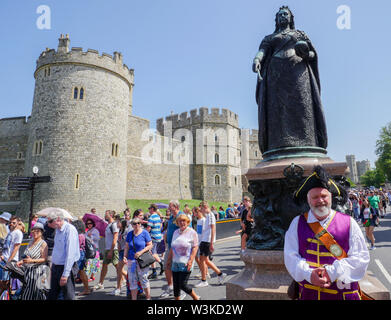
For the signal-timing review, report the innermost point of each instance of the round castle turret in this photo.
(78, 130)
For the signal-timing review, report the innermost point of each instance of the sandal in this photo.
(83, 293)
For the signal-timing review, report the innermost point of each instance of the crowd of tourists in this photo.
(142, 246)
(368, 207)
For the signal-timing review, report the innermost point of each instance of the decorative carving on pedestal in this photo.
(274, 208)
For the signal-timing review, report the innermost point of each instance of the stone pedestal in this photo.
(275, 169)
(264, 277)
(373, 287)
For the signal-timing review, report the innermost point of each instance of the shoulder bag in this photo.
(146, 259)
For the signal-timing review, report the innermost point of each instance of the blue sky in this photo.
(189, 54)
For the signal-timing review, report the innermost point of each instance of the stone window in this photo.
(114, 149)
(256, 153)
(37, 148)
(77, 181)
(236, 181)
(47, 71)
(217, 158)
(217, 179)
(78, 93)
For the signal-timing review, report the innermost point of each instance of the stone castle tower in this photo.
(214, 155)
(79, 129)
(82, 133)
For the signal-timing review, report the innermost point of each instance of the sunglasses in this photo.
(89, 223)
(50, 221)
(134, 223)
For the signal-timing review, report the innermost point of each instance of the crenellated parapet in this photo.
(12, 127)
(199, 116)
(76, 56)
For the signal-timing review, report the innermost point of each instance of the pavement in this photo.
(380, 263)
(226, 257)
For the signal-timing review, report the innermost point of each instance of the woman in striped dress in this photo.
(36, 272)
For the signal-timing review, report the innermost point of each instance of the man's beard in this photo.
(321, 211)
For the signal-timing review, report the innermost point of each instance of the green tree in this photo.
(352, 184)
(373, 177)
(383, 151)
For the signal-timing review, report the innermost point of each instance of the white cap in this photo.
(6, 216)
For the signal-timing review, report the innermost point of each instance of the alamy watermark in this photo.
(44, 21)
(219, 146)
(344, 20)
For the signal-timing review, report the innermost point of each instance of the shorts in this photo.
(82, 260)
(4, 275)
(154, 247)
(205, 249)
(114, 259)
(121, 255)
(135, 274)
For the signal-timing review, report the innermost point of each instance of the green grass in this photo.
(143, 204)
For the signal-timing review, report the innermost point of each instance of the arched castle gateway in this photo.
(82, 133)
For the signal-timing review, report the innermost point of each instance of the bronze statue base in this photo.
(273, 183)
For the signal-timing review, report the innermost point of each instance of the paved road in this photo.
(380, 263)
(226, 257)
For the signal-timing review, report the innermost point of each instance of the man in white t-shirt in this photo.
(208, 237)
(10, 249)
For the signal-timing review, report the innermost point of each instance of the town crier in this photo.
(325, 251)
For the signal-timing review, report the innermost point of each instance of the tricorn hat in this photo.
(318, 179)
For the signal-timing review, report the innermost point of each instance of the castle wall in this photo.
(213, 133)
(13, 145)
(151, 172)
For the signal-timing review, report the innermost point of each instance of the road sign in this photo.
(27, 183)
(20, 187)
(19, 179)
(20, 183)
(40, 179)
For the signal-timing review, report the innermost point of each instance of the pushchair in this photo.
(14, 285)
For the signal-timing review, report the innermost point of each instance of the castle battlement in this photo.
(12, 127)
(197, 116)
(76, 55)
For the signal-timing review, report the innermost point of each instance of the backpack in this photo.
(90, 249)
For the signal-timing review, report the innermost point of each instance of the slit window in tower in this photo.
(77, 181)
